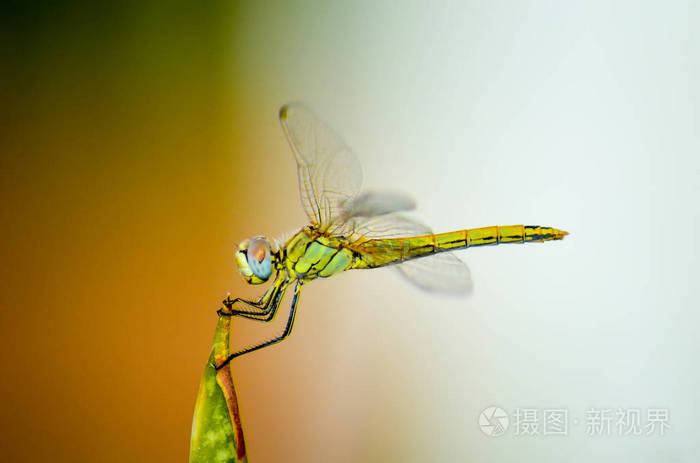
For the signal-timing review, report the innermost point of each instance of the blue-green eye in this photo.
(259, 258)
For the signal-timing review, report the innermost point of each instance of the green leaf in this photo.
(217, 433)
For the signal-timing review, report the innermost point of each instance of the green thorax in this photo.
(309, 255)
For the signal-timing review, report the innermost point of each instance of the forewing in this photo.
(329, 173)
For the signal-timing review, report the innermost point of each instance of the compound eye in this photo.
(259, 258)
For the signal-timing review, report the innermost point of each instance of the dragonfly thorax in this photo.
(310, 254)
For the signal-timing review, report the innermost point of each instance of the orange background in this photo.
(123, 142)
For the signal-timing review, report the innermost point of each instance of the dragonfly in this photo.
(351, 230)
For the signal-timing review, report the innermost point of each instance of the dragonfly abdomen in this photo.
(511, 234)
(376, 253)
(496, 234)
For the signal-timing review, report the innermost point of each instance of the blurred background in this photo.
(140, 144)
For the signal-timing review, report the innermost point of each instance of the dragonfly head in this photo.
(254, 260)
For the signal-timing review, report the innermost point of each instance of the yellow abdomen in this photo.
(375, 253)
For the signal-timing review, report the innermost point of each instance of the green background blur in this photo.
(140, 144)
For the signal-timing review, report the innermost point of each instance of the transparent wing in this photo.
(442, 272)
(372, 204)
(383, 226)
(329, 174)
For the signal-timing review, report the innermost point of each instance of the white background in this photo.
(578, 115)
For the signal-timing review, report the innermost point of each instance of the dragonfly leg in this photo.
(285, 333)
(263, 310)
